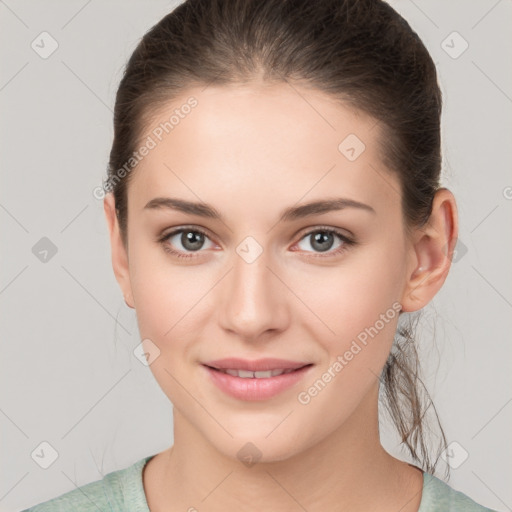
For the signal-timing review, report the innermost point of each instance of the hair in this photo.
(360, 52)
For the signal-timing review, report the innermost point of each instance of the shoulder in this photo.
(113, 492)
(439, 496)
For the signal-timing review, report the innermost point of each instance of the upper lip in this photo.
(255, 365)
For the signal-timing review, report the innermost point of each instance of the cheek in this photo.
(360, 304)
(362, 309)
(166, 295)
(353, 296)
(168, 308)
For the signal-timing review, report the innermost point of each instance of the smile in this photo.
(255, 380)
(246, 374)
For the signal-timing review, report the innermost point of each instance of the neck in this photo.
(347, 470)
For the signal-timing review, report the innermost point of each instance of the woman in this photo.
(274, 209)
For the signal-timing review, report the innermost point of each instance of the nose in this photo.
(253, 300)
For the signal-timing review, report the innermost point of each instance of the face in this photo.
(256, 275)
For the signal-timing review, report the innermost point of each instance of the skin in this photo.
(251, 151)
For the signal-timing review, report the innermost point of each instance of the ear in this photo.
(119, 253)
(431, 252)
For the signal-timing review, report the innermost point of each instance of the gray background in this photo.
(68, 374)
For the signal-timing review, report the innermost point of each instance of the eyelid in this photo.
(178, 229)
(345, 233)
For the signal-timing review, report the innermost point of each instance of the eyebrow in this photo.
(289, 214)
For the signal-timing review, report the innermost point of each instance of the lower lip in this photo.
(255, 389)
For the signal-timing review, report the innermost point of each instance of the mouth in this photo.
(256, 365)
(255, 380)
(246, 374)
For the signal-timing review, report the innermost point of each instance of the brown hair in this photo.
(361, 52)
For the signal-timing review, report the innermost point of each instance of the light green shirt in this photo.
(123, 491)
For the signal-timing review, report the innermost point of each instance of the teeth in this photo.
(245, 374)
(263, 375)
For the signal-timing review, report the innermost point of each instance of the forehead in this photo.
(261, 145)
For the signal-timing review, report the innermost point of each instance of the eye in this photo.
(190, 239)
(323, 239)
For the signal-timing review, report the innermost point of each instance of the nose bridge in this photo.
(253, 302)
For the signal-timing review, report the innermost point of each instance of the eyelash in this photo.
(347, 242)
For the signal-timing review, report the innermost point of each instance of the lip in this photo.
(252, 389)
(256, 365)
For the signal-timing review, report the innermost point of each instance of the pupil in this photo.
(192, 240)
(320, 238)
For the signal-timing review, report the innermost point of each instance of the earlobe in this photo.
(432, 249)
(118, 250)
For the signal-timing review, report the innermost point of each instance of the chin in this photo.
(257, 448)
